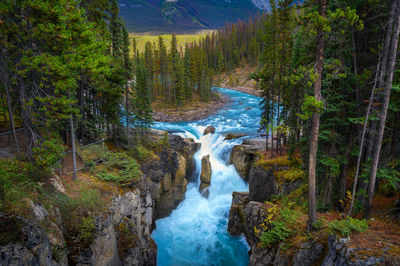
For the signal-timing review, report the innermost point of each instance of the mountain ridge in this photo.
(161, 16)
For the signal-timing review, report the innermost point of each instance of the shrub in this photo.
(18, 180)
(347, 226)
(144, 154)
(47, 154)
(75, 210)
(86, 228)
(281, 228)
(117, 167)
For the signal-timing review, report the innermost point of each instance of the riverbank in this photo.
(195, 110)
(239, 79)
(248, 90)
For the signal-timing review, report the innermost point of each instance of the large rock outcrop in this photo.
(205, 175)
(341, 254)
(23, 242)
(167, 180)
(262, 184)
(245, 216)
(128, 216)
(243, 156)
(169, 176)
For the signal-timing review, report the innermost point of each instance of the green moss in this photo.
(290, 175)
(279, 161)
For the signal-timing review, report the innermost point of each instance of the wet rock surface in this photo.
(243, 156)
(168, 177)
(208, 130)
(231, 136)
(205, 175)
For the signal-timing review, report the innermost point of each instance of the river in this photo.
(196, 231)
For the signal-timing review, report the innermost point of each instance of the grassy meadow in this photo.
(182, 39)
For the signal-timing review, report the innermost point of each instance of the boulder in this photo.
(236, 220)
(234, 136)
(308, 253)
(262, 184)
(243, 156)
(209, 129)
(205, 175)
(28, 243)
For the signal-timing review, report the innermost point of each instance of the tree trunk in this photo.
(312, 203)
(343, 178)
(11, 116)
(362, 140)
(385, 105)
(26, 121)
(71, 120)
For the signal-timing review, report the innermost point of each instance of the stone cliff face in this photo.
(246, 215)
(243, 156)
(169, 176)
(128, 214)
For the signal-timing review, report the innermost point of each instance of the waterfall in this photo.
(196, 231)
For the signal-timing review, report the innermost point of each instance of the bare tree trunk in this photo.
(127, 112)
(343, 178)
(385, 105)
(26, 121)
(362, 141)
(312, 202)
(71, 120)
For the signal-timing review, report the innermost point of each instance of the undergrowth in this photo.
(117, 167)
(347, 226)
(282, 227)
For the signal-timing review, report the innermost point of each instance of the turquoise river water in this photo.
(196, 231)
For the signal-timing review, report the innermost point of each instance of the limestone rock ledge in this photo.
(245, 215)
(28, 243)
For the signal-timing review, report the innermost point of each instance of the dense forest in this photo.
(68, 65)
(71, 75)
(326, 70)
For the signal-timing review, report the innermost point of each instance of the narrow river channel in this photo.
(196, 231)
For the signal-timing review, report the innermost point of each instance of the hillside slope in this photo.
(185, 15)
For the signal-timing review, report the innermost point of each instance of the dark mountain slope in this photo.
(183, 15)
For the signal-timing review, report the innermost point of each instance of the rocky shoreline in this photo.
(248, 90)
(191, 113)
